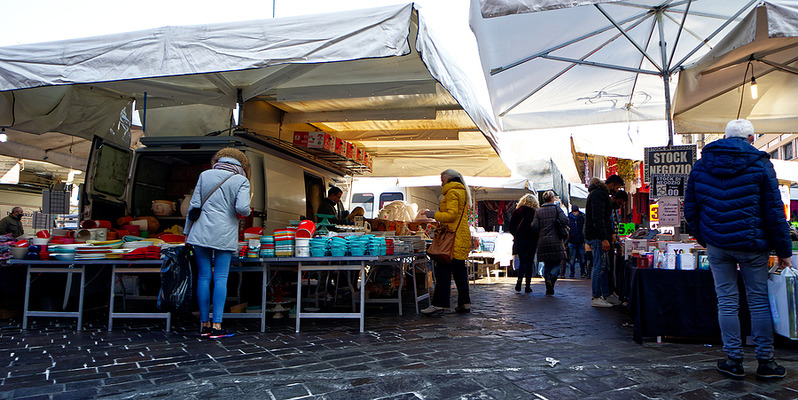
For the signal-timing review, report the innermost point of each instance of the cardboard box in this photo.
(351, 150)
(340, 147)
(301, 139)
(361, 156)
(321, 140)
(368, 161)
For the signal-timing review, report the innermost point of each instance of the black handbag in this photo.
(194, 213)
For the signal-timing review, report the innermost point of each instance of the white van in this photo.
(374, 193)
(286, 183)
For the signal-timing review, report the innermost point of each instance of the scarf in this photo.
(230, 167)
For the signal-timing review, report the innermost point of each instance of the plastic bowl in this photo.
(19, 252)
(41, 241)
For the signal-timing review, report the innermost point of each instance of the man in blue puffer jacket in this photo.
(733, 207)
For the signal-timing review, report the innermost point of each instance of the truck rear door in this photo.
(105, 190)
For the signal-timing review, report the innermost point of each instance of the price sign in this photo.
(667, 169)
(626, 228)
(653, 212)
(669, 211)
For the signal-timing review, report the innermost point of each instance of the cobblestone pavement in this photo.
(512, 346)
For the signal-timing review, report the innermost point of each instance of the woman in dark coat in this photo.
(552, 225)
(525, 240)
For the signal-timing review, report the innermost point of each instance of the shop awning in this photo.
(368, 76)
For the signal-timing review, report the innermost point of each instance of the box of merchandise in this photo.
(321, 140)
(368, 161)
(351, 150)
(631, 245)
(361, 156)
(301, 139)
(340, 147)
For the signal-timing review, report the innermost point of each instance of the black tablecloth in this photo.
(677, 303)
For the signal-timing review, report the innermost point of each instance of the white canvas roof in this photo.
(367, 76)
(483, 187)
(710, 92)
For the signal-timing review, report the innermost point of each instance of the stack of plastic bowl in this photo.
(302, 247)
(357, 245)
(318, 247)
(267, 246)
(338, 246)
(376, 246)
(284, 242)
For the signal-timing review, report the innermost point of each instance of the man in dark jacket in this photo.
(598, 234)
(576, 240)
(329, 205)
(12, 223)
(733, 207)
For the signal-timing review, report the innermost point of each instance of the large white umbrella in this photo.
(761, 49)
(558, 63)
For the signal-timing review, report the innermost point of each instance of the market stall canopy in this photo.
(367, 76)
(786, 170)
(555, 63)
(483, 187)
(764, 48)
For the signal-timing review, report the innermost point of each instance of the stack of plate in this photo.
(267, 246)
(358, 244)
(63, 252)
(284, 242)
(89, 252)
(376, 245)
(137, 244)
(117, 253)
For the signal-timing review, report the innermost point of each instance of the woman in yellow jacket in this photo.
(454, 213)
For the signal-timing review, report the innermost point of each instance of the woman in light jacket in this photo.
(552, 226)
(454, 214)
(215, 234)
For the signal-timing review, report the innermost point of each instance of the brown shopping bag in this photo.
(442, 246)
(783, 297)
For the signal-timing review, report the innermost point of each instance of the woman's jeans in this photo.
(577, 252)
(443, 283)
(600, 275)
(551, 271)
(754, 270)
(220, 260)
(527, 267)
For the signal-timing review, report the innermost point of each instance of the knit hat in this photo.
(574, 208)
(740, 128)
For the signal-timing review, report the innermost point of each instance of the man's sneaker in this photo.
(732, 368)
(220, 333)
(613, 299)
(432, 311)
(464, 309)
(768, 369)
(599, 302)
(205, 331)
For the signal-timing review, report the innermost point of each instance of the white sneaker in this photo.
(613, 299)
(432, 311)
(599, 302)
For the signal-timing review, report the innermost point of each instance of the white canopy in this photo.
(366, 76)
(710, 92)
(557, 63)
(483, 187)
(786, 170)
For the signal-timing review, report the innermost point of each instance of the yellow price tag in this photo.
(653, 212)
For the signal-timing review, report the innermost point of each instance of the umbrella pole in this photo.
(665, 78)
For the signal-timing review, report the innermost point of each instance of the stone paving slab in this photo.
(512, 346)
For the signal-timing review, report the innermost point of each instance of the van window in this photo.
(388, 197)
(365, 200)
(110, 173)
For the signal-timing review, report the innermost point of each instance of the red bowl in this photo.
(255, 230)
(43, 234)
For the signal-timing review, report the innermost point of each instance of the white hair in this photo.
(454, 174)
(741, 128)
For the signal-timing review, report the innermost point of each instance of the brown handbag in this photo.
(442, 248)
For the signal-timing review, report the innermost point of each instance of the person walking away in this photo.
(12, 223)
(552, 225)
(598, 234)
(454, 214)
(616, 271)
(525, 240)
(214, 234)
(733, 207)
(576, 240)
